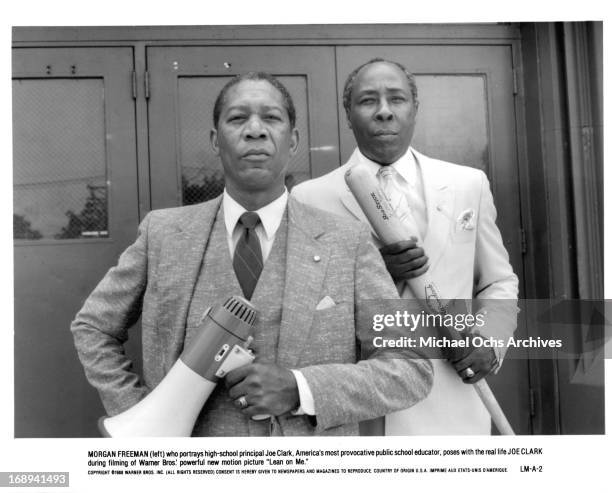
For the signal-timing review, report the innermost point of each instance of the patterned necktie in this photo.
(402, 197)
(248, 261)
(396, 197)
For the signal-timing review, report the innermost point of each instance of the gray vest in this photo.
(217, 282)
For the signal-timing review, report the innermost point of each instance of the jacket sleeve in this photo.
(384, 383)
(100, 329)
(495, 283)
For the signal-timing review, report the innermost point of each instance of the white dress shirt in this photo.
(270, 216)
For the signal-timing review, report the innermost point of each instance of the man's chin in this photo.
(259, 181)
(257, 174)
(384, 156)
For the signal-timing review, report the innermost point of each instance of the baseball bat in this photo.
(390, 229)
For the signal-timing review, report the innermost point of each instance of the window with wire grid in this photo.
(60, 183)
(201, 170)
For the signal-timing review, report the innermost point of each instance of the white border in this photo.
(571, 463)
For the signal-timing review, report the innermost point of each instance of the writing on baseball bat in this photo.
(379, 206)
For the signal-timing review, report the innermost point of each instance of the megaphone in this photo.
(219, 346)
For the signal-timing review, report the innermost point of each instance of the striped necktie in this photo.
(248, 261)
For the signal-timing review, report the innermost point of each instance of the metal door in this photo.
(75, 210)
(184, 82)
(466, 116)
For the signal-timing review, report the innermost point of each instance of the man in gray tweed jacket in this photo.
(318, 272)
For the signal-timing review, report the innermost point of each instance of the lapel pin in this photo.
(444, 212)
(316, 258)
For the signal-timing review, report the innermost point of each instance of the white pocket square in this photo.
(466, 220)
(326, 302)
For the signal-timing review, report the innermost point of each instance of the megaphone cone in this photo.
(219, 346)
(170, 410)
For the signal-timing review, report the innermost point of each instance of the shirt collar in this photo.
(406, 165)
(270, 215)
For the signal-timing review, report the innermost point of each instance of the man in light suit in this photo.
(462, 250)
(312, 276)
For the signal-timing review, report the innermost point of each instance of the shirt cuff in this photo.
(307, 405)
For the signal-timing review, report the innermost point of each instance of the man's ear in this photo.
(348, 120)
(295, 140)
(213, 141)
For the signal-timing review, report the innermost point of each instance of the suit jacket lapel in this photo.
(180, 263)
(348, 200)
(307, 260)
(439, 199)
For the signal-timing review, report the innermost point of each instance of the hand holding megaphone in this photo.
(262, 390)
(219, 346)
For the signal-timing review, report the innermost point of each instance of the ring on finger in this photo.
(242, 402)
(469, 373)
